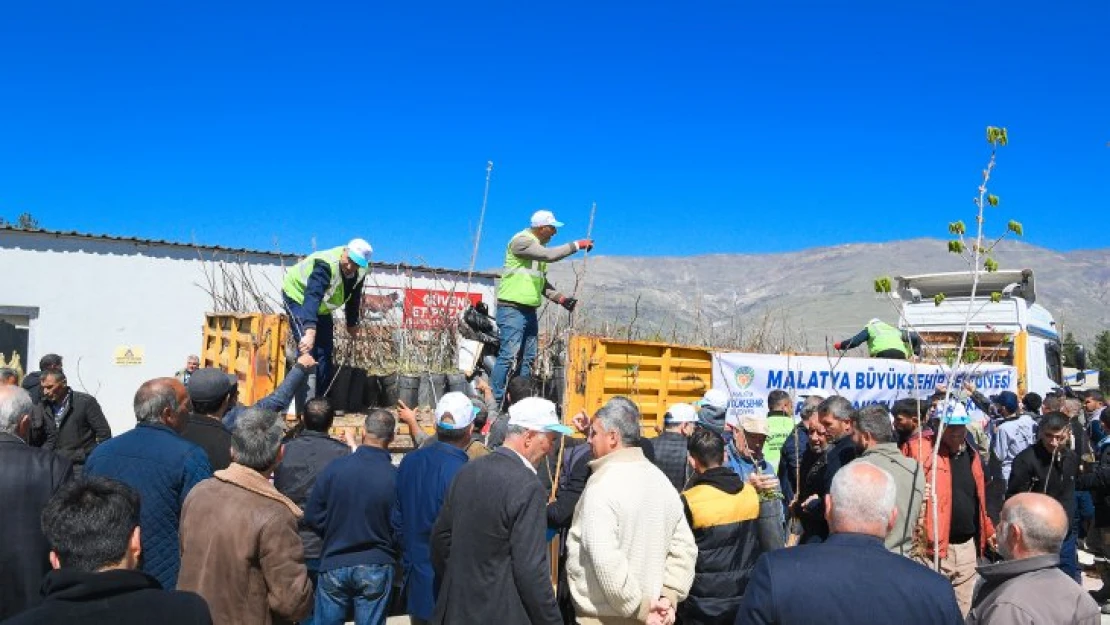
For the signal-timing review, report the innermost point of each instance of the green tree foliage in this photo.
(1068, 347)
(1099, 356)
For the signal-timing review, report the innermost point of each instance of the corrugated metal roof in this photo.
(73, 234)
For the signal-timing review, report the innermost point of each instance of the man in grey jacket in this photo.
(1027, 587)
(874, 438)
(522, 289)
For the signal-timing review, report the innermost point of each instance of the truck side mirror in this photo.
(1080, 364)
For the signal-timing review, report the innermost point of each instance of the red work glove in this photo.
(836, 346)
(584, 244)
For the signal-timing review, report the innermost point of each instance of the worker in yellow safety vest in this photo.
(312, 291)
(521, 290)
(884, 341)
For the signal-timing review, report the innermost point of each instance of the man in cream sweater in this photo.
(630, 552)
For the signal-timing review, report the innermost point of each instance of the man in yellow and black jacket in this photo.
(732, 525)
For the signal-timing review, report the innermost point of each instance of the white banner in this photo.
(748, 378)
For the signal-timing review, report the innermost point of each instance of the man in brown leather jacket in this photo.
(239, 544)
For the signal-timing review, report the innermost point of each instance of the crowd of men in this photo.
(208, 511)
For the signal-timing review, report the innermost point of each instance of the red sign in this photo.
(427, 310)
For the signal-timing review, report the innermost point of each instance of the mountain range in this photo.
(805, 300)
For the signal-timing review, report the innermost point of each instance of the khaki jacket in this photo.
(909, 480)
(241, 552)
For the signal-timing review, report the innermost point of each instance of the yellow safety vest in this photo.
(296, 279)
(522, 281)
(883, 336)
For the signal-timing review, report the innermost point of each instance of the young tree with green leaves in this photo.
(980, 259)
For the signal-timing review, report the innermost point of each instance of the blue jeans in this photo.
(1084, 512)
(519, 338)
(366, 586)
(313, 566)
(321, 350)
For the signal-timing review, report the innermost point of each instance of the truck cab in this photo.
(1015, 330)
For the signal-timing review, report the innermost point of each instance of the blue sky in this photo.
(704, 127)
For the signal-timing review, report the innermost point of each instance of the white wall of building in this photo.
(87, 296)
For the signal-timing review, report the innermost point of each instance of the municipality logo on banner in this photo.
(744, 375)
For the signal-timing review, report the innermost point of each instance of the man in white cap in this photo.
(447, 431)
(670, 446)
(489, 547)
(422, 483)
(744, 452)
(522, 289)
(312, 291)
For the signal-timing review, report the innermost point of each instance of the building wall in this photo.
(85, 297)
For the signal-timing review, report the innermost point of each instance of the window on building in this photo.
(15, 334)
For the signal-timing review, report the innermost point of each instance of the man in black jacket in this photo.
(1050, 467)
(835, 416)
(305, 457)
(560, 512)
(209, 393)
(790, 459)
(1097, 482)
(93, 529)
(28, 477)
(488, 545)
(32, 382)
(77, 416)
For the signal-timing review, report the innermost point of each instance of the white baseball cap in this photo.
(680, 413)
(545, 218)
(714, 397)
(536, 414)
(359, 251)
(755, 424)
(458, 408)
(814, 392)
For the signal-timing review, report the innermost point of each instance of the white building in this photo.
(121, 311)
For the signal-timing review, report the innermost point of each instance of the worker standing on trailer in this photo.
(884, 341)
(314, 289)
(523, 286)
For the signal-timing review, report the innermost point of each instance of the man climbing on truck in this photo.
(884, 341)
(522, 289)
(314, 289)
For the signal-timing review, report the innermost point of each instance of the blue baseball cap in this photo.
(1007, 400)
